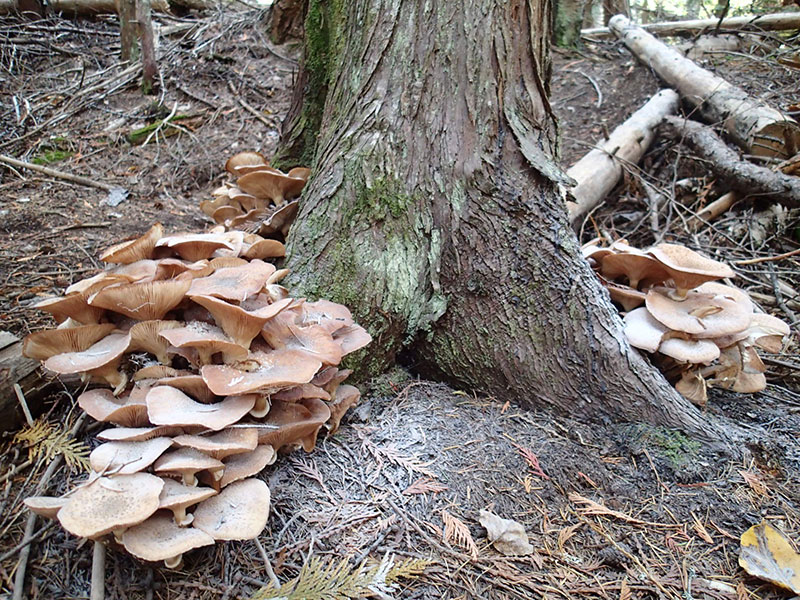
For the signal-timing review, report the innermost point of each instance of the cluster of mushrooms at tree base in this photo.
(209, 368)
(699, 332)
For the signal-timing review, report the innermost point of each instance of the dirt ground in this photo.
(613, 511)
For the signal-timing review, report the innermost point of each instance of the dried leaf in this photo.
(768, 555)
(507, 536)
(624, 590)
(755, 482)
(423, 486)
(532, 460)
(456, 532)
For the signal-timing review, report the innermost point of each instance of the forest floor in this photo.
(613, 511)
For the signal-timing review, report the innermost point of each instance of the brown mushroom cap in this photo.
(687, 268)
(133, 250)
(157, 372)
(142, 301)
(127, 457)
(643, 331)
(240, 466)
(282, 332)
(45, 506)
(192, 385)
(298, 392)
(73, 306)
(110, 503)
(346, 396)
(300, 173)
(195, 246)
(765, 332)
(327, 314)
(169, 406)
(248, 158)
(169, 268)
(240, 324)
(145, 338)
(44, 344)
(234, 283)
(239, 512)
(275, 186)
(623, 295)
(102, 405)
(269, 371)
(634, 265)
(693, 387)
(178, 497)
(294, 422)
(223, 444)
(351, 338)
(702, 314)
(160, 538)
(187, 462)
(264, 249)
(279, 221)
(207, 340)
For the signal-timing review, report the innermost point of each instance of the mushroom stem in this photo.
(189, 479)
(181, 518)
(174, 562)
(98, 571)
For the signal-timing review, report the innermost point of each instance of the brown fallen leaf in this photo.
(507, 536)
(768, 555)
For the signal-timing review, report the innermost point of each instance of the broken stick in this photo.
(756, 127)
(598, 172)
(740, 175)
(773, 22)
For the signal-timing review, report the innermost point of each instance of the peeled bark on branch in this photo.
(25, 372)
(434, 211)
(739, 175)
(83, 7)
(598, 172)
(774, 22)
(756, 127)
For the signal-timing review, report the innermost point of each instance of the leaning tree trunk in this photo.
(434, 211)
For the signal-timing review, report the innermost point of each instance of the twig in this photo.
(267, 565)
(249, 108)
(98, 571)
(21, 397)
(753, 261)
(22, 565)
(593, 82)
(53, 173)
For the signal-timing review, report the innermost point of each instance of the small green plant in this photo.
(675, 446)
(47, 441)
(52, 156)
(339, 581)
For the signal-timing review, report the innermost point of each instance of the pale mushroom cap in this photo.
(627, 297)
(145, 338)
(704, 315)
(142, 301)
(239, 324)
(206, 339)
(275, 186)
(102, 405)
(168, 268)
(314, 340)
(109, 503)
(693, 387)
(330, 315)
(234, 283)
(45, 506)
(247, 158)
(73, 306)
(643, 331)
(193, 385)
(195, 246)
(98, 355)
(240, 466)
(265, 249)
(633, 266)
(127, 457)
(169, 406)
(352, 338)
(138, 434)
(272, 370)
(239, 512)
(160, 538)
(280, 219)
(222, 444)
(133, 250)
(178, 497)
(690, 351)
(293, 422)
(298, 392)
(44, 344)
(187, 462)
(157, 372)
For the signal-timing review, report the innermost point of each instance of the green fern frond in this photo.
(337, 581)
(47, 441)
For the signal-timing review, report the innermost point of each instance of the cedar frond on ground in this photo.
(46, 440)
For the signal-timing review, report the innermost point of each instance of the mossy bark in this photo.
(434, 210)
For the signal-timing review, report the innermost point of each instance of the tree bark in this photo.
(128, 31)
(149, 64)
(773, 22)
(597, 173)
(755, 126)
(569, 20)
(434, 211)
(286, 20)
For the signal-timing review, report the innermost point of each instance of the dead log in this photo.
(755, 126)
(775, 22)
(598, 172)
(27, 373)
(79, 7)
(740, 175)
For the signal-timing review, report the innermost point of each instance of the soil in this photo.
(611, 510)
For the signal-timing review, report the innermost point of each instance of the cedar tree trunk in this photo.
(435, 213)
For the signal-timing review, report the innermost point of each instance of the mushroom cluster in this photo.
(208, 368)
(699, 331)
(262, 199)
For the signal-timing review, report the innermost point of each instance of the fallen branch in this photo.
(713, 210)
(739, 175)
(598, 172)
(774, 22)
(755, 126)
(58, 174)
